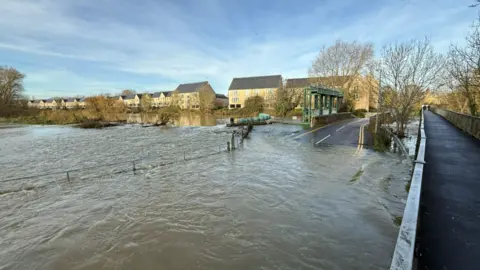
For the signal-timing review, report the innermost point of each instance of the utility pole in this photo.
(378, 103)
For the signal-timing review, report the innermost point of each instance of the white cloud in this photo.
(157, 39)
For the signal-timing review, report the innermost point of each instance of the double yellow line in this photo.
(361, 137)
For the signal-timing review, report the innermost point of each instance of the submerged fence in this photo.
(134, 165)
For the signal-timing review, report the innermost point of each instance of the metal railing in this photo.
(404, 254)
(469, 124)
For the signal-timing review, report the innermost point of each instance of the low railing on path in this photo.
(404, 254)
(469, 124)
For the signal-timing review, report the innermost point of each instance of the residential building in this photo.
(242, 88)
(166, 98)
(50, 104)
(221, 101)
(81, 103)
(362, 91)
(72, 103)
(37, 103)
(133, 100)
(161, 99)
(198, 95)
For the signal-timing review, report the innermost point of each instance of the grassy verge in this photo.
(356, 176)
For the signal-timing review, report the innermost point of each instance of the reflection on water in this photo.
(273, 204)
(185, 119)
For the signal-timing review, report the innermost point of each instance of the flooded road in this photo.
(275, 203)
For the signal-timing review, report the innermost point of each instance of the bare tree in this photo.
(11, 85)
(464, 67)
(408, 69)
(341, 63)
(287, 99)
(128, 92)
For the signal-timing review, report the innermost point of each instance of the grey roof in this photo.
(190, 87)
(304, 82)
(132, 96)
(167, 93)
(156, 94)
(72, 99)
(49, 100)
(273, 81)
(38, 100)
(220, 96)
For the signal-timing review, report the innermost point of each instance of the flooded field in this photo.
(275, 203)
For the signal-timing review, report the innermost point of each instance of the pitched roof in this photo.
(132, 96)
(273, 81)
(190, 87)
(156, 94)
(220, 96)
(72, 99)
(50, 100)
(167, 93)
(39, 100)
(332, 81)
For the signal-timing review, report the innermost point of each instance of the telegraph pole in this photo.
(378, 103)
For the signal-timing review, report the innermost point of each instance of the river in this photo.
(274, 203)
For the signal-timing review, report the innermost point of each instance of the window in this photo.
(232, 106)
(235, 93)
(235, 100)
(247, 93)
(257, 92)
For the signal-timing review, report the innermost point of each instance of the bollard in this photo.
(134, 169)
(68, 176)
(233, 142)
(228, 146)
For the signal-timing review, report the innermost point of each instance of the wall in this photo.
(239, 96)
(326, 119)
(469, 124)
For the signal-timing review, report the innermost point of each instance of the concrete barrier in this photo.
(469, 124)
(327, 119)
(403, 256)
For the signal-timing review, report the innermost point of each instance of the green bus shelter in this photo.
(318, 98)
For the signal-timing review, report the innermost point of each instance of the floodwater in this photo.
(274, 203)
(187, 119)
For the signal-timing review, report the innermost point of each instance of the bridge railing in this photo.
(469, 124)
(403, 256)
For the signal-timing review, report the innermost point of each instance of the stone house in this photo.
(242, 88)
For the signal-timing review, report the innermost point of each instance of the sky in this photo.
(88, 47)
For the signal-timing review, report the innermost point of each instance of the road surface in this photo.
(351, 132)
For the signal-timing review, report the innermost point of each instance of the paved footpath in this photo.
(449, 231)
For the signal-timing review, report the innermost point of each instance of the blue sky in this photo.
(85, 47)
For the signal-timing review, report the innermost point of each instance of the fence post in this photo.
(228, 146)
(134, 169)
(233, 141)
(68, 176)
(183, 154)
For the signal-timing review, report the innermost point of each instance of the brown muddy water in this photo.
(272, 204)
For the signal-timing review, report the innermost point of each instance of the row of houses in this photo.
(199, 94)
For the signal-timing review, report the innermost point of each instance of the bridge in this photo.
(441, 222)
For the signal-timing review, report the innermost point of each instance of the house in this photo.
(221, 101)
(199, 95)
(72, 103)
(156, 99)
(81, 103)
(50, 103)
(134, 100)
(242, 88)
(361, 91)
(37, 103)
(166, 98)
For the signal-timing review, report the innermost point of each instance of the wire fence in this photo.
(145, 163)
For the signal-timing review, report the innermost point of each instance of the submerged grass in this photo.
(356, 176)
(397, 220)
